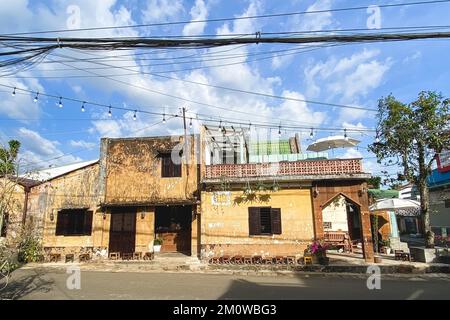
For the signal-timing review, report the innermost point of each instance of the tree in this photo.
(375, 182)
(410, 136)
(8, 178)
(8, 158)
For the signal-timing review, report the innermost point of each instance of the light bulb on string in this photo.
(279, 131)
(345, 135)
(190, 123)
(134, 115)
(36, 97)
(164, 118)
(110, 111)
(14, 92)
(311, 135)
(82, 106)
(60, 104)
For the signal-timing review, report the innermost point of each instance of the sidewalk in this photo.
(339, 263)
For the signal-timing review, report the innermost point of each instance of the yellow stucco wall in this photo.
(133, 172)
(12, 197)
(225, 228)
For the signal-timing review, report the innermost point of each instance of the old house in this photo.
(203, 195)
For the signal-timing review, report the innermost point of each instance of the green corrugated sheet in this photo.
(383, 194)
(265, 148)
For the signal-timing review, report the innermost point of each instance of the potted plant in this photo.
(157, 244)
(317, 250)
(386, 246)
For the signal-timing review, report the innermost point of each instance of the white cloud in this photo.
(82, 144)
(351, 153)
(415, 56)
(198, 12)
(37, 151)
(161, 10)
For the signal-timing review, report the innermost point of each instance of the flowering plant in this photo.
(317, 247)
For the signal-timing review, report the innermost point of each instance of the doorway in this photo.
(354, 222)
(173, 226)
(122, 235)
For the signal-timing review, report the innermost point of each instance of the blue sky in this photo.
(356, 74)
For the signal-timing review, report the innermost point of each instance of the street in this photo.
(51, 284)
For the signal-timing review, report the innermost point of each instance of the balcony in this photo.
(336, 167)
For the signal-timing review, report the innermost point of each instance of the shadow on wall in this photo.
(22, 286)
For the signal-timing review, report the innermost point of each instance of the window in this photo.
(327, 225)
(264, 220)
(74, 222)
(168, 168)
(4, 224)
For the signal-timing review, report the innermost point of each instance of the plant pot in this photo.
(156, 248)
(387, 250)
(377, 259)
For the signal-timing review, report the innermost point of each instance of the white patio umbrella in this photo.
(332, 142)
(394, 203)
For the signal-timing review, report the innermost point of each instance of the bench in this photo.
(337, 238)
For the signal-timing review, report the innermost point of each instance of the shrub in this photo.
(30, 249)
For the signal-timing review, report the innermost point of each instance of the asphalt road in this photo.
(51, 284)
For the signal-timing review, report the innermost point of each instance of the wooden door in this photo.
(122, 234)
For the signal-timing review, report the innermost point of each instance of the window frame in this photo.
(69, 223)
(256, 225)
(169, 170)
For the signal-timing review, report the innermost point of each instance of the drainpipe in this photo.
(25, 205)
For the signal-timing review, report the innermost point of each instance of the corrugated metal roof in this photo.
(50, 173)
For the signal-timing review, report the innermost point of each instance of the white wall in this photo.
(336, 213)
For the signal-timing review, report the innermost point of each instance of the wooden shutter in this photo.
(62, 223)
(165, 165)
(254, 221)
(88, 223)
(276, 220)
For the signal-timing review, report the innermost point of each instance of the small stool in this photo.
(290, 259)
(83, 257)
(248, 260)
(114, 255)
(238, 260)
(226, 259)
(398, 254)
(55, 257)
(267, 260)
(257, 259)
(307, 260)
(127, 256)
(214, 260)
(70, 257)
(137, 255)
(148, 256)
(279, 260)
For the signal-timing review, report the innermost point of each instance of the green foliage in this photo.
(30, 249)
(8, 157)
(157, 242)
(375, 182)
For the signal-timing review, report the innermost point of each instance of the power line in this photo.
(286, 14)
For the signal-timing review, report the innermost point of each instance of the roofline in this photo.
(294, 178)
(148, 138)
(65, 173)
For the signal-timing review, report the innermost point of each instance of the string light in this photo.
(14, 92)
(345, 135)
(311, 135)
(279, 131)
(60, 102)
(82, 107)
(110, 111)
(190, 123)
(134, 115)
(220, 124)
(164, 118)
(36, 97)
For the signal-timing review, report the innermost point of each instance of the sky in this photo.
(355, 75)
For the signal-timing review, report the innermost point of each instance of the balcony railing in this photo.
(294, 168)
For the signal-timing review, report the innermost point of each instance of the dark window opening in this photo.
(168, 168)
(264, 220)
(72, 222)
(4, 225)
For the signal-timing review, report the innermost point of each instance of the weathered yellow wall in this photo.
(133, 172)
(77, 189)
(225, 228)
(12, 196)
